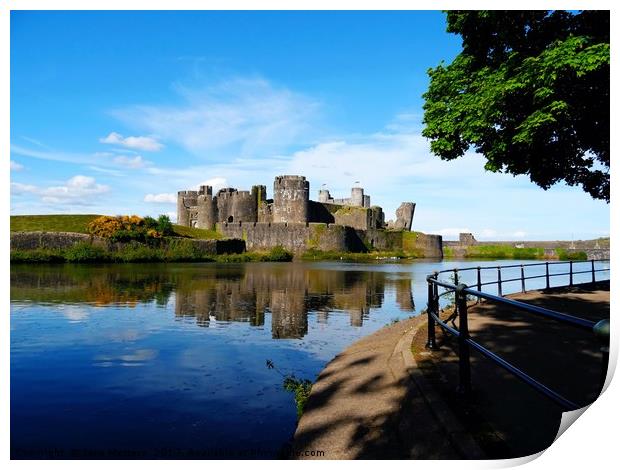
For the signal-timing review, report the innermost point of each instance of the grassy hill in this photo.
(51, 223)
(77, 223)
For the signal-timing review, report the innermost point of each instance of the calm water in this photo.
(170, 360)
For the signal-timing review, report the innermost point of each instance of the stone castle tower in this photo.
(290, 199)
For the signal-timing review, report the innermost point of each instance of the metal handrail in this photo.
(499, 281)
(600, 329)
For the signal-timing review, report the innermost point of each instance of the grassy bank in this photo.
(511, 252)
(318, 255)
(140, 253)
(78, 223)
(51, 223)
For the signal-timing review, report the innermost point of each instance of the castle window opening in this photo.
(230, 218)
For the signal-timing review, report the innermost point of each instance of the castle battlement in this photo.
(291, 205)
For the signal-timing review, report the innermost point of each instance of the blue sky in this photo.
(113, 112)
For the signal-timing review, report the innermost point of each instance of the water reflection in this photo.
(216, 294)
(162, 358)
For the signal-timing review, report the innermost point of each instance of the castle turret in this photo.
(324, 195)
(207, 210)
(185, 200)
(290, 199)
(357, 196)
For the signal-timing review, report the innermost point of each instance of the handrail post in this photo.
(499, 281)
(479, 285)
(522, 279)
(464, 363)
(570, 279)
(593, 275)
(601, 331)
(456, 283)
(547, 273)
(431, 307)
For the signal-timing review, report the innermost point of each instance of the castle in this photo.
(291, 219)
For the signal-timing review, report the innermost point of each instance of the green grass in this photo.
(77, 223)
(51, 223)
(565, 255)
(175, 251)
(504, 252)
(448, 252)
(192, 232)
(319, 255)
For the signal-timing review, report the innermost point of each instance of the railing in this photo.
(461, 291)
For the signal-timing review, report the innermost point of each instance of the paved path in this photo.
(379, 400)
(508, 417)
(366, 405)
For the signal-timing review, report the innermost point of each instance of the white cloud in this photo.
(77, 191)
(149, 144)
(519, 234)
(19, 188)
(236, 117)
(217, 183)
(131, 162)
(166, 198)
(16, 166)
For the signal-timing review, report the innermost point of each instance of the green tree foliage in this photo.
(530, 92)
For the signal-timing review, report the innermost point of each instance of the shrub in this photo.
(301, 389)
(164, 226)
(84, 252)
(138, 253)
(278, 253)
(124, 228)
(566, 255)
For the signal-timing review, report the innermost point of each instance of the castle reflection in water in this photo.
(225, 293)
(289, 295)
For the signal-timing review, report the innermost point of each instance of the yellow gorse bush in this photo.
(106, 226)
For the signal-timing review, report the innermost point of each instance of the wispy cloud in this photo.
(216, 183)
(76, 191)
(148, 144)
(240, 117)
(131, 162)
(166, 198)
(95, 160)
(16, 166)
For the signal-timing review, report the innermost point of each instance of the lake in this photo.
(170, 361)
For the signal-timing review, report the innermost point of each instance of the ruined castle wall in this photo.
(415, 243)
(294, 237)
(356, 217)
(321, 212)
(265, 211)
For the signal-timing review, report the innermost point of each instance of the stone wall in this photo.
(294, 237)
(415, 243)
(51, 240)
